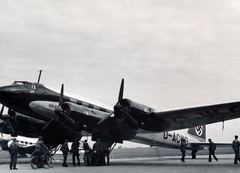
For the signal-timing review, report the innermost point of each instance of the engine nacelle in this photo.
(144, 115)
(133, 106)
(83, 114)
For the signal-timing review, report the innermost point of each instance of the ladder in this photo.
(156, 148)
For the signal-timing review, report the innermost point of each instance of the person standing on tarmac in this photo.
(105, 153)
(75, 151)
(235, 146)
(97, 147)
(65, 151)
(86, 147)
(211, 148)
(183, 149)
(13, 151)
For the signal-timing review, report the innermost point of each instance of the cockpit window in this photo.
(26, 84)
(31, 86)
(19, 83)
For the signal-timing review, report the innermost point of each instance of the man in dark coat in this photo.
(183, 149)
(211, 148)
(65, 151)
(235, 146)
(40, 147)
(13, 150)
(75, 151)
(97, 148)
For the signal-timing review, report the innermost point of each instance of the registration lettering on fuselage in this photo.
(174, 137)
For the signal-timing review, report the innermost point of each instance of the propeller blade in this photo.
(61, 96)
(120, 96)
(1, 118)
(1, 130)
(130, 118)
(1, 111)
(10, 126)
(68, 118)
(49, 122)
(103, 119)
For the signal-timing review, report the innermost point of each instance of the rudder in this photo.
(198, 132)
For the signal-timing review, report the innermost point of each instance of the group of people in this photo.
(13, 150)
(212, 147)
(75, 152)
(101, 150)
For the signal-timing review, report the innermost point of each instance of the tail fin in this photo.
(199, 132)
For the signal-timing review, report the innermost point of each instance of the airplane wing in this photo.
(191, 117)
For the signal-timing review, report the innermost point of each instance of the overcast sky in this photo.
(172, 54)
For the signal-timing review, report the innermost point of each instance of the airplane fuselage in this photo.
(36, 101)
(171, 139)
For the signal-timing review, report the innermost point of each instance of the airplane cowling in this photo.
(134, 106)
(80, 112)
(144, 115)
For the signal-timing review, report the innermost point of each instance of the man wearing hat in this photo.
(75, 152)
(65, 151)
(183, 149)
(13, 150)
(39, 147)
(211, 148)
(97, 147)
(235, 145)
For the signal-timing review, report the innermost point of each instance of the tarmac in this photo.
(142, 165)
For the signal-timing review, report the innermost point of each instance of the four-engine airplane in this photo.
(35, 110)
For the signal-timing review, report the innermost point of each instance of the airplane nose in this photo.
(4, 91)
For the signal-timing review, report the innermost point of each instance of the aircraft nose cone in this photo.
(3, 94)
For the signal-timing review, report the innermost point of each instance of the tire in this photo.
(50, 161)
(34, 162)
(45, 162)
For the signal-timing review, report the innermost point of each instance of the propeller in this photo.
(118, 108)
(7, 121)
(1, 113)
(59, 111)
